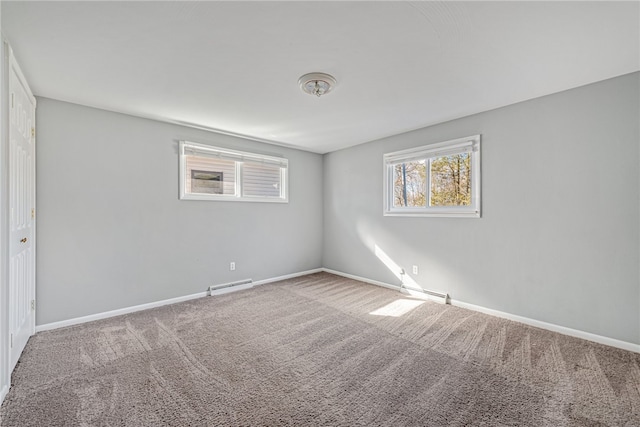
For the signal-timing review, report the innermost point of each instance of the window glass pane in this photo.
(222, 174)
(439, 180)
(451, 180)
(208, 175)
(261, 180)
(409, 184)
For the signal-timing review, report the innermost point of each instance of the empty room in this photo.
(299, 213)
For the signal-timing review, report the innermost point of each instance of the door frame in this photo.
(5, 375)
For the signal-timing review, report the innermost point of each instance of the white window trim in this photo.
(239, 157)
(471, 143)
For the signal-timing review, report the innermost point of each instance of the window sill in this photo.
(233, 198)
(435, 214)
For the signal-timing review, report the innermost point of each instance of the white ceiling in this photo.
(234, 66)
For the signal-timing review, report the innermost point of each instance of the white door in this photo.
(22, 107)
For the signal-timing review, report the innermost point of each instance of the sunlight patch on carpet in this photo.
(397, 308)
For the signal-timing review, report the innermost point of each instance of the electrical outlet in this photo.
(232, 266)
(415, 269)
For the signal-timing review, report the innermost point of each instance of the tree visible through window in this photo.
(440, 179)
(410, 184)
(451, 180)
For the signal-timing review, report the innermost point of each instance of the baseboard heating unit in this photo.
(230, 287)
(440, 297)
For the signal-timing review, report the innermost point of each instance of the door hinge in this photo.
(33, 132)
(11, 343)
(33, 213)
(33, 305)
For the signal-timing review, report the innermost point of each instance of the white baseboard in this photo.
(126, 310)
(118, 312)
(3, 393)
(520, 319)
(551, 327)
(362, 279)
(288, 276)
(525, 320)
(262, 282)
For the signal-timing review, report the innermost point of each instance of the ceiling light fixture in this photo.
(317, 84)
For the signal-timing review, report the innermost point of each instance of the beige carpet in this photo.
(318, 350)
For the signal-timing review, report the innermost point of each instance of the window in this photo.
(212, 173)
(434, 180)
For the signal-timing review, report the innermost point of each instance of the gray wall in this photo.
(558, 240)
(559, 234)
(112, 232)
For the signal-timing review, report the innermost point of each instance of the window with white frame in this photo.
(440, 179)
(213, 173)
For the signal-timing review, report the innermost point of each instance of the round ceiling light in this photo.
(317, 84)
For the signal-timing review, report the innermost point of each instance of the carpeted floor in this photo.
(318, 350)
